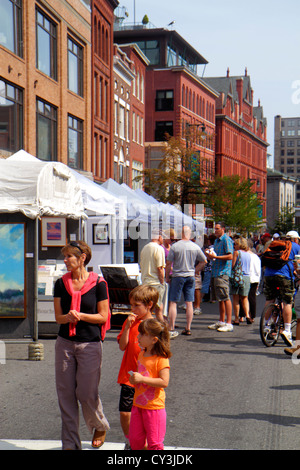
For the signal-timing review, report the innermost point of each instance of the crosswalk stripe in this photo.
(31, 444)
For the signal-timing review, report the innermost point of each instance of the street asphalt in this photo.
(227, 392)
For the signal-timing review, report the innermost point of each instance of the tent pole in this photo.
(36, 264)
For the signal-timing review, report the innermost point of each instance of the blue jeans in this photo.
(182, 284)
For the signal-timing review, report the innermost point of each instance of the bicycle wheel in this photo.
(270, 323)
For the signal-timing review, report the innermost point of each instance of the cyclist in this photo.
(283, 279)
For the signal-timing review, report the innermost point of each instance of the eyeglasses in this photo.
(76, 245)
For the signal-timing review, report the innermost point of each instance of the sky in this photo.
(262, 36)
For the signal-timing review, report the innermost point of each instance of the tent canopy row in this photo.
(38, 188)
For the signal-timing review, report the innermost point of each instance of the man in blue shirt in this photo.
(220, 273)
(283, 279)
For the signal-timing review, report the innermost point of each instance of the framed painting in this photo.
(54, 231)
(100, 234)
(12, 270)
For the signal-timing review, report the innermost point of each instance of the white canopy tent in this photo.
(103, 208)
(96, 205)
(35, 189)
(38, 188)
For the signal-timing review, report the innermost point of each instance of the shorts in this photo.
(206, 282)
(279, 285)
(161, 293)
(185, 285)
(198, 281)
(126, 398)
(220, 288)
(297, 305)
(243, 291)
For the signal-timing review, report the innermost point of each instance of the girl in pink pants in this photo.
(148, 415)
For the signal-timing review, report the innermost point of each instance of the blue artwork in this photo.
(12, 270)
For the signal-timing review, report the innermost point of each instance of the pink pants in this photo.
(147, 427)
(78, 370)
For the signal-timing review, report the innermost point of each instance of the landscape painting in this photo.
(12, 270)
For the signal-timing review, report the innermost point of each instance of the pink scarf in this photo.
(91, 281)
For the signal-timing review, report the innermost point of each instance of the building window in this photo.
(11, 117)
(75, 67)
(162, 129)
(122, 124)
(171, 56)
(164, 100)
(151, 50)
(11, 26)
(75, 141)
(137, 172)
(46, 131)
(46, 60)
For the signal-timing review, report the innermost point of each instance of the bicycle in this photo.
(271, 323)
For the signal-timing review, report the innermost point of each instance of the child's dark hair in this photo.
(153, 327)
(145, 294)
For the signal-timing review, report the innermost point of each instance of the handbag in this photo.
(237, 277)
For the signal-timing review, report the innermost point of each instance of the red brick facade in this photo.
(102, 90)
(241, 133)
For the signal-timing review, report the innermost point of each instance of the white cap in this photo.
(292, 234)
(276, 235)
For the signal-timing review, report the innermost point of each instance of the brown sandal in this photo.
(186, 332)
(98, 436)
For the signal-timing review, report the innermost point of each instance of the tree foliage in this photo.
(177, 179)
(285, 221)
(233, 201)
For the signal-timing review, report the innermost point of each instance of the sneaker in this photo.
(173, 334)
(287, 338)
(225, 328)
(197, 311)
(291, 351)
(215, 326)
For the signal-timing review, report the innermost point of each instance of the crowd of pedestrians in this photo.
(172, 271)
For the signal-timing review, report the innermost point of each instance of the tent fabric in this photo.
(37, 188)
(96, 200)
(136, 208)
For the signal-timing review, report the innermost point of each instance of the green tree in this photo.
(233, 201)
(177, 179)
(285, 221)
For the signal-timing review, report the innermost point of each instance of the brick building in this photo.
(102, 89)
(176, 96)
(241, 133)
(129, 113)
(45, 86)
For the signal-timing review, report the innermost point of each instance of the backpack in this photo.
(277, 254)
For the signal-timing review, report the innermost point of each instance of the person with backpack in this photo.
(279, 278)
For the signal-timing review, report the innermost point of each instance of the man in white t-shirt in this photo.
(188, 259)
(152, 264)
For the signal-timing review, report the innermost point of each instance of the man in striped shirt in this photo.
(221, 270)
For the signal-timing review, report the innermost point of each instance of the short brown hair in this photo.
(144, 294)
(77, 248)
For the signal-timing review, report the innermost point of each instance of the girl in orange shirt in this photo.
(148, 415)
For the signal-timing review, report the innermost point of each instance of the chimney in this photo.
(227, 72)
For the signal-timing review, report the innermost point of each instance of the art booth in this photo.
(40, 208)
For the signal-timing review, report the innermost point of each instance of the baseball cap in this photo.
(266, 235)
(292, 234)
(276, 235)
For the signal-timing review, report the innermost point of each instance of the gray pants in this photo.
(78, 371)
